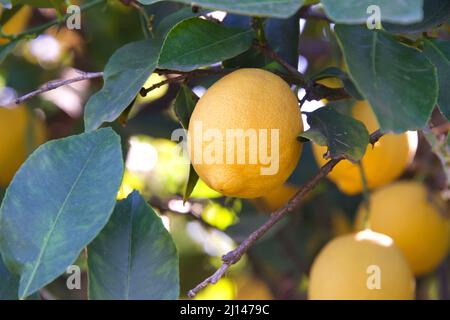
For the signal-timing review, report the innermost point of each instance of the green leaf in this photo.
(58, 201)
(438, 51)
(171, 20)
(355, 11)
(435, 12)
(125, 74)
(9, 284)
(261, 8)
(134, 257)
(191, 183)
(196, 42)
(6, 49)
(333, 72)
(184, 105)
(343, 135)
(398, 81)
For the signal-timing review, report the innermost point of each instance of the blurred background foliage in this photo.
(208, 225)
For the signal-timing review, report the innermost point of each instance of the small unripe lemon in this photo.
(406, 212)
(243, 133)
(383, 163)
(19, 135)
(362, 266)
(16, 23)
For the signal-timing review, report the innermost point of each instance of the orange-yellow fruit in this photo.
(276, 198)
(17, 23)
(244, 117)
(20, 133)
(382, 163)
(362, 266)
(406, 212)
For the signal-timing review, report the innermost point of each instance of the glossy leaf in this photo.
(124, 75)
(9, 283)
(196, 42)
(343, 135)
(438, 51)
(134, 257)
(59, 200)
(355, 11)
(435, 12)
(398, 81)
(261, 8)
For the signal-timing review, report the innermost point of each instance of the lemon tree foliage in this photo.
(195, 43)
(126, 72)
(403, 74)
(439, 54)
(343, 135)
(435, 12)
(355, 11)
(184, 106)
(63, 198)
(57, 203)
(263, 8)
(134, 257)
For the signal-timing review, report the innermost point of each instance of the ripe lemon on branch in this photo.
(415, 220)
(362, 266)
(243, 133)
(20, 133)
(383, 163)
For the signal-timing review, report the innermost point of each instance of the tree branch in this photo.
(235, 255)
(54, 84)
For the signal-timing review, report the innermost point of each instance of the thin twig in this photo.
(235, 255)
(54, 84)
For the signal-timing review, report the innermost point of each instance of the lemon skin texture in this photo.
(406, 212)
(383, 163)
(342, 271)
(14, 142)
(247, 99)
(277, 197)
(16, 23)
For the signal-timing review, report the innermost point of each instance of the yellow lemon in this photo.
(382, 163)
(251, 288)
(17, 140)
(243, 133)
(406, 212)
(362, 266)
(277, 197)
(16, 23)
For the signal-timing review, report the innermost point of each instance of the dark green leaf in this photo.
(134, 257)
(184, 105)
(6, 49)
(9, 283)
(58, 201)
(196, 42)
(343, 135)
(125, 74)
(261, 8)
(333, 72)
(171, 20)
(190, 185)
(438, 51)
(435, 12)
(355, 11)
(38, 3)
(398, 81)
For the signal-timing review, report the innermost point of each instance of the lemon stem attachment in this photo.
(366, 196)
